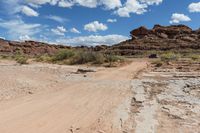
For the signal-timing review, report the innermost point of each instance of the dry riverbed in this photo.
(40, 98)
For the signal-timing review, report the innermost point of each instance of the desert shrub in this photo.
(43, 58)
(63, 55)
(157, 63)
(170, 56)
(4, 57)
(194, 57)
(21, 59)
(99, 58)
(83, 57)
(111, 58)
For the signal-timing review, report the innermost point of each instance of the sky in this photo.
(90, 22)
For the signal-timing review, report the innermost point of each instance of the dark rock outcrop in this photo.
(160, 38)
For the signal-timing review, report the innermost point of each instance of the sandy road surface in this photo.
(43, 98)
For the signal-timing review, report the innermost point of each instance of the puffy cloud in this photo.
(29, 11)
(59, 30)
(92, 40)
(151, 2)
(95, 26)
(18, 27)
(56, 18)
(74, 30)
(41, 2)
(131, 6)
(111, 4)
(24, 37)
(112, 20)
(64, 3)
(87, 3)
(194, 7)
(135, 6)
(108, 4)
(177, 18)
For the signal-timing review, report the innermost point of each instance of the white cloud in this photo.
(194, 7)
(92, 40)
(177, 18)
(64, 3)
(18, 27)
(131, 6)
(74, 30)
(87, 3)
(95, 26)
(59, 30)
(56, 18)
(111, 4)
(2, 38)
(10, 7)
(34, 5)
(108, 4)
(41, 2)
(123, 10)
(29, 11)
(151, 2)
(24, 38)
(112, 20)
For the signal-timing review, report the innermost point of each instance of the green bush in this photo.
(113, 58)
(110, 58)
(194, 57)
(4, 57)
(43, 58)
(83, 57)
(63, 55)
(99, 58)
(21, 59)
(73, 57)
(170, 56)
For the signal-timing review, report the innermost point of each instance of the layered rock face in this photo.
(31, 48)
(175, 37)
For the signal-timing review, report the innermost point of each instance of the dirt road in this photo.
(45, 98)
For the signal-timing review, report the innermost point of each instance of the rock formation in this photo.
(31, 48)
(174, 37)
(160, 38)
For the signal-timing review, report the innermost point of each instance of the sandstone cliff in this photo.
(175, 37)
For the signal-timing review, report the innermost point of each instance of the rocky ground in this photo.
(167, 100)
(78, 99)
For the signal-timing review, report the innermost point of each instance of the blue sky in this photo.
(90, 22)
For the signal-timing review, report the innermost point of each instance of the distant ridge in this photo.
(159, 38)
(28, 47)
